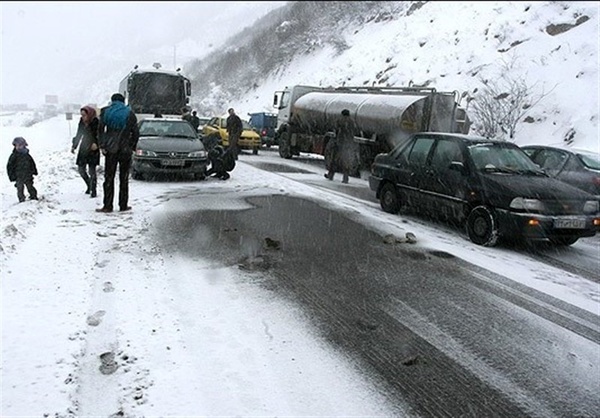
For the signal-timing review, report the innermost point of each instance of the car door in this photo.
(211, 127)
(444, 182)
(416, 163)
(222, 125)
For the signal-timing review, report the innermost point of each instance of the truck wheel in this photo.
(390, 199)
(482, 227)
(285, 150)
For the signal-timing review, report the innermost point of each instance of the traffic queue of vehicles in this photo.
(495, 189)
(491, 187)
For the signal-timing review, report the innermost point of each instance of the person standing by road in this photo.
(343, 150)
(234, 131)
(195, 120)
(118, 138)
(186, 114)
(88, 156)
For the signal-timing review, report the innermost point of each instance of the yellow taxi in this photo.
(218, 126)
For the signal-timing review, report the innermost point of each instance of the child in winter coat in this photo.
(21, 169)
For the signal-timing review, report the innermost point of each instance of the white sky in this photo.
(83, 42)
(216, 350)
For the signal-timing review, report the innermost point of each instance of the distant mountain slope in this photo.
(551, 46)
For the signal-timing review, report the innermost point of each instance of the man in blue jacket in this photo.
(118, 138)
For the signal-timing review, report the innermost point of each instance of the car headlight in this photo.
(591, 206)
(197, 154)
(530, 205)
(144, 153)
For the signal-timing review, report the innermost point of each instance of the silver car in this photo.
(169, 146)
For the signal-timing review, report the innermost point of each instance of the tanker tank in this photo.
(382, 115)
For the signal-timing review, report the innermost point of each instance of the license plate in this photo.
(177, 163)
(569, 223)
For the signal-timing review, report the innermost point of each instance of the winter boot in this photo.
(93, 188)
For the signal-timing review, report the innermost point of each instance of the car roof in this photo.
(464, 137)
(559, 148)
(163, 119)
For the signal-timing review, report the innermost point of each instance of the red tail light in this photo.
(264, 132)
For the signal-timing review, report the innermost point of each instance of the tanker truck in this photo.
(384, 116)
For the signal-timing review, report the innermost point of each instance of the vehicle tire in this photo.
(136, 175)
(389, 198)
(482, 227)
(563, 241)
(285, 150)
(255, 151)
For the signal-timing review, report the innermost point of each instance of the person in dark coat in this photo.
(195, 120)
(88, 156)
(186, 114)
(21, 169)
(343, 150)
(118, 135)
(234, 131)
(221, 160)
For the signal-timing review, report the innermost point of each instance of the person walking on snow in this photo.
(118, 138)
(343, 150)
(21, 169)
(88, 156)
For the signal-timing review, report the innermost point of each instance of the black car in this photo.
(490, 186)
(579, 168)
(168, 146)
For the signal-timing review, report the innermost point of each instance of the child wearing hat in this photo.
(21, 169)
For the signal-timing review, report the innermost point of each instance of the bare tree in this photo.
(503, 102)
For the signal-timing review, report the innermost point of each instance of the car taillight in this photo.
(264, 132)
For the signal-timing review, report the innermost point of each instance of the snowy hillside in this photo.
(552, 46)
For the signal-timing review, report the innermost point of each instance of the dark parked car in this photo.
(489, 186)
(168, 146)
(579, 168)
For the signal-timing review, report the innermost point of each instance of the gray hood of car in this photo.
(533, 187)
(162, 144)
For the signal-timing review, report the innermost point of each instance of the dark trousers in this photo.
(88, 174)
(233, 144)
(217, 168)
(21, 184)
(123, 161)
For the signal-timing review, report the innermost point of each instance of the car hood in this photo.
(162, 144)
(531, 187)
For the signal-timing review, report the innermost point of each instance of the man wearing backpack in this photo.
(118, 138)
